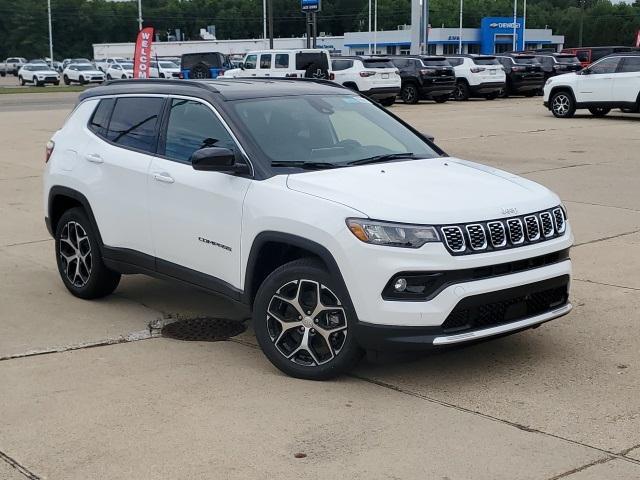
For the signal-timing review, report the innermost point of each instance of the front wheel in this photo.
(599, 111)
(563, 105)
(304, 323)
(22, 82)
(78, 257)
(66, 80)
(409, 94)
(82, 80)
(109, 77)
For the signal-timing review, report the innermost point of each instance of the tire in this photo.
(562, 104)
(88, 278)
(303, 349)
(3, 74)
(387, 102)
(39, 84)
(351, 86)
(22, 82)
(81, 80)
(441, 99)
(409, 94)
(66, 80)
(162, 75)
(200, 71)
(491, 96)
(530, 93)
(461, 92)
(599, 111)
(56, 83)
(316, 70)
(124, 77)
(109, 77)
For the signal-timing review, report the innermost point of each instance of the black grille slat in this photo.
(559, 220)
(454, 238)
(516, 234)
(533, 228)
(477, 237)
(547, 224)
(497, 234)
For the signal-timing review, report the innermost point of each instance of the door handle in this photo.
(94, 158)
(163, 177)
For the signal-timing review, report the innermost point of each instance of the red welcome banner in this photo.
(142, 55)
(638, 39)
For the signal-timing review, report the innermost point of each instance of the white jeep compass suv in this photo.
(339, 225)
(612, 82)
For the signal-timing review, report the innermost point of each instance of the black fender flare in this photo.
(60, 191)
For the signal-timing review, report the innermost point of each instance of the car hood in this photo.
(45, 72)
(436, 191)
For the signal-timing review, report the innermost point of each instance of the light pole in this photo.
(524, 26)
(264, 19)
(460, 29)
(139, 14)
(50, 32)
(375, 27)
(369, 27)
(515, 31)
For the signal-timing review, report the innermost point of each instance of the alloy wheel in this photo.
(75, 254)
(561, 104)
(306, 322)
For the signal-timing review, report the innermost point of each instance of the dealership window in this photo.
(431, 49)
(473, 48)
(282, 60)
(133, 122)
(359, 52)
(192, 126)
(265, 60)
(391, 50)
(450, 48)
(405, 51)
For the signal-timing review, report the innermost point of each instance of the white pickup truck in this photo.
(12, 65)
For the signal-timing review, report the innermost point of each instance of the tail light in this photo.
(49, 150)
(518, 69)
(366, 74)
(332, 76)
(477, 69)
(427, 71)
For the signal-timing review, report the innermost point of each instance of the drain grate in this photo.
(203, 329)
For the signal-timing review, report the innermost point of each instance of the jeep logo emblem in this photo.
(509, 211)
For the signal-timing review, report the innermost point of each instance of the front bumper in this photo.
(489, 314)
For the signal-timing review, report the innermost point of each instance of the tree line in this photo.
(77, 24)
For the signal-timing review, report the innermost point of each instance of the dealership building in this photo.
(494, 35)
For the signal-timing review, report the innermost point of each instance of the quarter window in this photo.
(192, 126)
(133, 122)
(608, 65)
(99, 122)
(631, 64)
(265, 61)
(250, 62)
(282, 60)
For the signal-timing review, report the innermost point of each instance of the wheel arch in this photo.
(351, 85)
(272, 249)
(62, 199)
(562, 88)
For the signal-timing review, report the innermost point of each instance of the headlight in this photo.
(392, 234)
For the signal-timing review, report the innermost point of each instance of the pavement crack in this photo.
(602, 205)
(600, 461)
(128, 338)
(557, 168)
(611, 237)
(606, 284)
(19, 467)
(27, 243)
(491, 417)
(627, 450)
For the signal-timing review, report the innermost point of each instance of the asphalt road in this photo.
(88, 390)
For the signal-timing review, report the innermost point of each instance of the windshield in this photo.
(168, 65)
(325, 129)
(84, 68)
(569, 59)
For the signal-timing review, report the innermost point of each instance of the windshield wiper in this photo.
(306, 165)
(382, 158)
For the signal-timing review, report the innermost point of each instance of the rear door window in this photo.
(265, 60)
(630, 64)
(305, 59)
(134, 122)
(282, 60)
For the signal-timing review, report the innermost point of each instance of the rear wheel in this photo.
(409, 93)
(66, 80)
(303, 322)
(21, 80)
(599, 111)
(461, 92)
(563, 105)
(78, 256)
(162, 75)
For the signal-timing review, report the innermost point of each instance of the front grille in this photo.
(97, 78)
(479, 237)
(454, 238)
(505, 306)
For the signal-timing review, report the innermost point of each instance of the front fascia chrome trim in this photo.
(508, 327)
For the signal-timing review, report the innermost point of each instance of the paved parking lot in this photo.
(562, 401)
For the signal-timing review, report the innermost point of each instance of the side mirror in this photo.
(585, 71)
(241, 65)
(428, 136)
(216, 159)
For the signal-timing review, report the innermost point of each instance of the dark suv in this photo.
(524, 74)
(425, 78)
(203, 65)
(558, 63)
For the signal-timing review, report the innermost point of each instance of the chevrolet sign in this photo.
(504, 25)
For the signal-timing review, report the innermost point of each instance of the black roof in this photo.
(224, 89)
(379, 58)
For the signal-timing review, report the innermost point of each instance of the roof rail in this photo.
(322, 81)
(161, 81)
